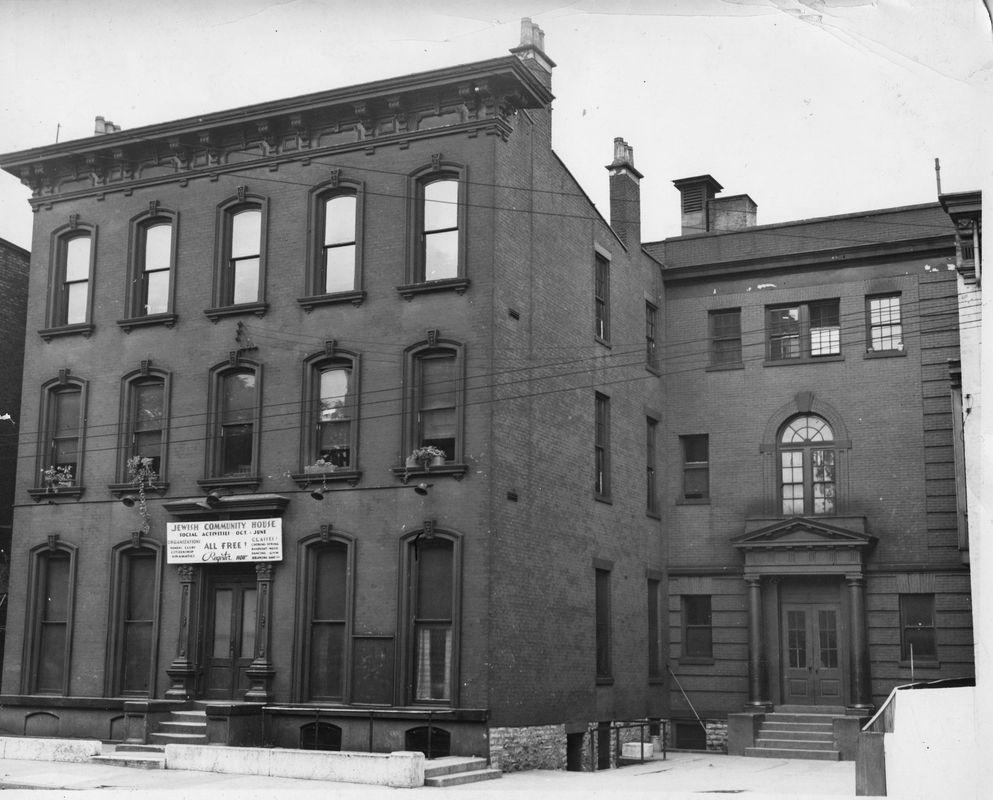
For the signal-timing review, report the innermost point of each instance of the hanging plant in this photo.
(142, 476)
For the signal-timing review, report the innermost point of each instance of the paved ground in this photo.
(680, 777)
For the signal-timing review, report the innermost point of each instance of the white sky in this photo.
(813, 107)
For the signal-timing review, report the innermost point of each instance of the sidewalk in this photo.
(681, 777)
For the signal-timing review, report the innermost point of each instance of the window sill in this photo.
(726, 367)
(305, 479)
(656, 680)
(84, 329)
(693, 501)
(457, 285)
(231, 482)
(602, 341)
(920, 664)
(451, 468)
(311, 302)
(258, 309)
(166, 320)
(789, 362)
(51, 492)
(654, 370)
(604, 680)
(121, 489)
(653, 514)
(603, 498)
(701, 660)
(885, 354)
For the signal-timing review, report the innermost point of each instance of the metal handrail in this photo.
(686, 698)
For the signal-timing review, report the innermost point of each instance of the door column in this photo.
(861, 691)
(260, 671)
(758, 668)
(183, 670)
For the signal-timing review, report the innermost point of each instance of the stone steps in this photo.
(797, 732)
(136, 756)
(182, 727)
(455, 771)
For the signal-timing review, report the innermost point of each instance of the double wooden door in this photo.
(813, 656)
(229, 644)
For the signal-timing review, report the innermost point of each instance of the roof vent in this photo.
(102, 126)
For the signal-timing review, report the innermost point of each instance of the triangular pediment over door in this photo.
(804, 546)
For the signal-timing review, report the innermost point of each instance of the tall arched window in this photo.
(70, 301)
(240, 257)
(807, 466)
(48, 633)
(233, 424)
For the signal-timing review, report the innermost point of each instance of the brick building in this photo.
(816, 553)
(13, 308)
(271, 309)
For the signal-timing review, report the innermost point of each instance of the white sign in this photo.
(224, 541)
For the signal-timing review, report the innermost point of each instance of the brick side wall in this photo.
(13, 309)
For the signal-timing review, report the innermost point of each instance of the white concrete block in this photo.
(204, 758)
(39, 749)
(637, 750)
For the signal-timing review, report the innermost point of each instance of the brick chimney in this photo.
(102, 126)
(625, 195)
(531, 51)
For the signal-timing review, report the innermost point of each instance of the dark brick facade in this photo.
(523, 509)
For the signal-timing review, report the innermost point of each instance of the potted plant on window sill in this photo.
(425, 457)
(54, 478)
(319, 467)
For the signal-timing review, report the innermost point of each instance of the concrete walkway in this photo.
(682, 776)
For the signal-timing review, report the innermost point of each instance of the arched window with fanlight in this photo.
(807, 467)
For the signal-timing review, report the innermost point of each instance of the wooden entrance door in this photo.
(229, 646)
(812, 654)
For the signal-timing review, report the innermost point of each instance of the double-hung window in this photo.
(725, 337)
(151, 269)
(60, 451)
(52, 576)
(71, 281)
(437, 219)
(335, 415)
(651, 456)
(601, 446)
(601, 298)
(233, 424)
(696, 467)
(698, 641)
(240, 270)
(603, 656)
(338, 247)
(651, 335)
(156, 263)
(917, 630)
(884, 323)
(432, 601)
(146, 420)
(803, 331)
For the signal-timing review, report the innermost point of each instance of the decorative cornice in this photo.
(199, 142)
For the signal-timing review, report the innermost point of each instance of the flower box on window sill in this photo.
(250, 482)
(121, 489)
(69, 491)
(167, 320)
(451, 468)
(312, 476)
(457, 285)
(84, 329)
(258, 309)
(335, 298)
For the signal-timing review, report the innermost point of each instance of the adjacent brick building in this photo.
(13, 308)
(291, 298)
(815, 552)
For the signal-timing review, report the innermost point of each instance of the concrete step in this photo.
(771, 752)
(776, 716)
(180, 726)
(192, 715)
(790, 733)
(139, 748)
(134, 760)
(795, 744)
(460, 778)
(450, 765)
(178, 738)
(835, 711)
(820, 727)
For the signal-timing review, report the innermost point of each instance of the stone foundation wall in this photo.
(538, 747)
(716, 731)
